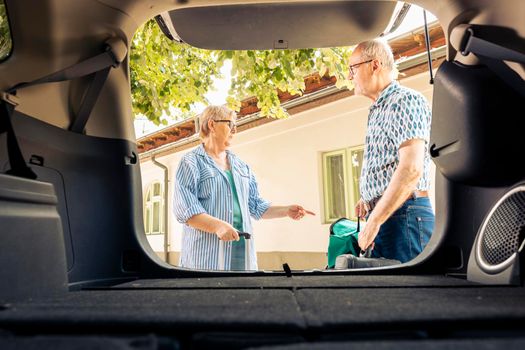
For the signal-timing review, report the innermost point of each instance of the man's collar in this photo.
(384, 94)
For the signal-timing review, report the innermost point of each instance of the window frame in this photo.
(326, 183)
(148, 212)
(351, 174)
(348, 182)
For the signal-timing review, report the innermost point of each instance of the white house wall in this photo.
(285, 156)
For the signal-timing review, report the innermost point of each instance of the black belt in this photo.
(370, 205)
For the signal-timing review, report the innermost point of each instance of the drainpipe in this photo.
(166, 192)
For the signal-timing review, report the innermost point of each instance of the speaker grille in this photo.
(504, 231)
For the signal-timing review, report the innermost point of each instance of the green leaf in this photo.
(288, 68)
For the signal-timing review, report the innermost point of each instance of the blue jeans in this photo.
(404, 235)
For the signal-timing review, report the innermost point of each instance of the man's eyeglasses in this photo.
(231, 123)
(353, 66)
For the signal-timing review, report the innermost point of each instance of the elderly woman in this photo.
(215, 195)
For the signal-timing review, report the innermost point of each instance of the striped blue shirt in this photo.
(202, 187)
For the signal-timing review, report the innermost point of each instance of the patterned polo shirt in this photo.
(398, 115)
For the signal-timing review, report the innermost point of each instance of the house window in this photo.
(154, 209)
(335, 180)
(5, 33)
(341, 172)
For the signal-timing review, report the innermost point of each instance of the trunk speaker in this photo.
(495, 257)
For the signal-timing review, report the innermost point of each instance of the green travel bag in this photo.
(343, 239)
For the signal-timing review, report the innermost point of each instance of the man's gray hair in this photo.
(213, 113)
(379, 49)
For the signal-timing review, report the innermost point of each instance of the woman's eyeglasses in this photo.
(231, 123)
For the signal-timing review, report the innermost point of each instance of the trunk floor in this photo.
(278, 304)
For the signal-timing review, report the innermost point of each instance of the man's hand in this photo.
(360, 209)
(297, 212)
(226, 232)
(368, 234)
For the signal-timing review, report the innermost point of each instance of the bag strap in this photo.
(331, 229)
(492, 55)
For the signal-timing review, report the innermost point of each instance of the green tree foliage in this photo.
(5, 34)
(167, 76)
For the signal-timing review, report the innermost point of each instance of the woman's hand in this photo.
(297, 212)
(226, 232)
(293, 211)
(213, 225)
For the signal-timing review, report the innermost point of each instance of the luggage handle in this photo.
(366, 253)
(247, 262)
(246, 235)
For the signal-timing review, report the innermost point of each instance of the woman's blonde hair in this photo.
(213, 113)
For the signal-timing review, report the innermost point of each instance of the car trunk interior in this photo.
(75, 260)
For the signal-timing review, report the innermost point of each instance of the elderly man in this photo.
(395, 178)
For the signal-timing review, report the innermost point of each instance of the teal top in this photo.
(238, 247)
(237, 216)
